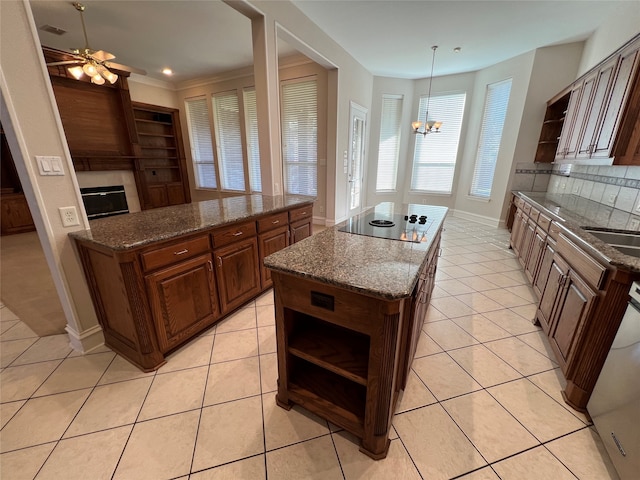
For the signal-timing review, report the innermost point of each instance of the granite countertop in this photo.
(131, 230)
(576, 213)
(376, 267)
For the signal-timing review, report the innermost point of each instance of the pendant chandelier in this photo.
(430, 126)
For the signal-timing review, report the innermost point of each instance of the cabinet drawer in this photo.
(161, 257)
(544, 222)
(585, 266)
(526, 208)
(300, 213)
(554, 230)
(272, 221)
(234, 233)
(534, 214)
(519, 202)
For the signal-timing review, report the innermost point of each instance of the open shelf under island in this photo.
(349, 311)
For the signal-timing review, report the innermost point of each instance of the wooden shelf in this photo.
(340, 350)
(327, 392)
(143, 134)
(548, 142)
(553, 120)
(144, 120)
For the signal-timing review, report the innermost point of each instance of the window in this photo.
(495, 111)
(226, 120)
(253, 146)
(389, 145)
(300, 136)
(434, 157)
(201, 143)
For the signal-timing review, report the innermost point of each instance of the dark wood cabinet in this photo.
(270, 242)
(183, 300)
(15, 216)
(300, 220)
(535, 254)
(161, 173)
(544, 269)
(152, 297)
(575, 304)
(238, 273)
(550, 294)
(597, 116)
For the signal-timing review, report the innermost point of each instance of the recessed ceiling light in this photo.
(457, 49)
(167, 71)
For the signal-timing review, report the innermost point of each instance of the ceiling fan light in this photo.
(97, 79)
(90, 69)
(76, 71)
(107, 74)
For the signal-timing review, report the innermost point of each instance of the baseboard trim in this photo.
(474, 217)
(86, 341)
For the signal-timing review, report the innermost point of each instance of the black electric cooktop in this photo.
(406, 228)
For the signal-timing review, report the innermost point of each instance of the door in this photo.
(238, 273)
(183, 300)
(356, 155)
(271, 242)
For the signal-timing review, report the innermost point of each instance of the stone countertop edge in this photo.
(552, 205)
(375, 267)
(124, 232)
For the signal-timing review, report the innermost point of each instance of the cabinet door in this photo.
(537, 247)
(516, 232)
(15, 216)
(617, 99)
(581, 116)
(551, 292)
(238, 273)
(574, 307)
(527, 240)
(542, 275)
(300, 230)
(569, 123)
(598, 105)
(269, 243)
(183, 300)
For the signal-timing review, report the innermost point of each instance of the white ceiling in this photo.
(389, 38)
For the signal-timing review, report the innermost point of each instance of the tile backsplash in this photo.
(615, 188)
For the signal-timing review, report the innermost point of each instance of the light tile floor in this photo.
(482, 402)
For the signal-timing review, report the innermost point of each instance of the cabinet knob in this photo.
(219, 261)
(181, 252)
(210, 263)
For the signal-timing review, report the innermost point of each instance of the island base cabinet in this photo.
(238, 273)
(339, 356)
(183, 300)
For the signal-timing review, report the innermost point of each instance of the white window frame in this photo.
(196, 154)
(489, 143)
(252, 139)
(389, 143)
(311, 162)
(444, 147)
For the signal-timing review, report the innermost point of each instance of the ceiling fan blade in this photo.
(66, 62)
(124, 68)
(102, 56)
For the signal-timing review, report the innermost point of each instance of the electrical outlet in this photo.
(576, 190)
(634, 224)
(321, 209)
(612, 199)
(638, 207)
(69, 216)
(563, 186)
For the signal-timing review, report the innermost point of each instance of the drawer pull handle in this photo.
(181, 252)
(210, 264)
(303, 213)
(237, 234)
(219, 261)
(275, 222)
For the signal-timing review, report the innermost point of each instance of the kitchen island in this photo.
(159, 277)
(349, 310)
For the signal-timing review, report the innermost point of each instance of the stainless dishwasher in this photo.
(614, 405)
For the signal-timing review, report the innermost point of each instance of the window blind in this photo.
(201, 143)
(434, 157)
(495, 112)
(253, 146)
(389, 144)
(226, 121)
(299, 113)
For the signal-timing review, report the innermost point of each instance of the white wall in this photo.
(32, 123)
(620, 27)
(519, 69)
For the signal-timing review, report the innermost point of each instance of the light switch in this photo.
(50, 165)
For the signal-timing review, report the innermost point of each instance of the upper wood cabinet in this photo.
(599, 113)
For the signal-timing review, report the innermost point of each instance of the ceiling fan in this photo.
(96, 64)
